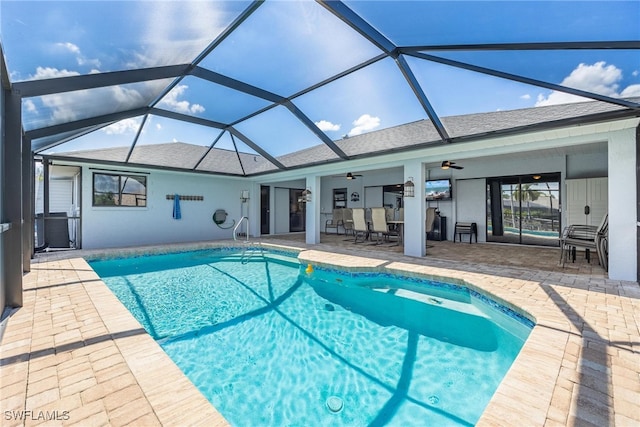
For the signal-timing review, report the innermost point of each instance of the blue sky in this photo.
(286, 46)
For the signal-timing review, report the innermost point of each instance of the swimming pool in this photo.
(272, 345)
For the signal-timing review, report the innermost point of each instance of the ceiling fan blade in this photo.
(446, 164)
(347, 175)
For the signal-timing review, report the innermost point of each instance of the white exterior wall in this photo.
(471, 206)
(623, 250)
(281, 203)
(313, 220)
(104, 227)
(415, 239)
(460, 208)
(371, 178)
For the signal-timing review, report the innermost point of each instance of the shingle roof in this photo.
(416, 134)
(423, 132)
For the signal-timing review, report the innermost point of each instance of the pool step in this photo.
(255, 255)
(249, 252)
(462, 307)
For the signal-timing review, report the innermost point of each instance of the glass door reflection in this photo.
(524, 209)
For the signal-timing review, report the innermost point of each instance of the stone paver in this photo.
(73, 355)
(64, 359)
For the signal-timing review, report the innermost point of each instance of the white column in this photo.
(313, 211)
(415, 240)
(252, 209)
(623, 250)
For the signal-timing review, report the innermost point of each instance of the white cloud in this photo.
(363, 124)
(598, 78)
(125, 96)
(635, 73)
(325, 126)
(122, 127)
(80, 58)
(629, 91)
(197, 108)
(525, 96)
(172, 102)
(52, 73)
(175, 32)
(71, 106)
(30, 106)
(70, 47)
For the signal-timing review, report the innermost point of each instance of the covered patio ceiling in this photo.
(247, 88)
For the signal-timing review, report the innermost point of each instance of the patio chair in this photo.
(389, 214)
(429, 222)
(587, 237)
(602, 242)
(359, 224)
(335, 221)
(367, 215)
(380, 226)
(430, 219)
(347, 220)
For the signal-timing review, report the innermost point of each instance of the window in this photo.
(119, 190)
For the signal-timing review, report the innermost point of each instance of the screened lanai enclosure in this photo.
(274, 94)
(246, 88)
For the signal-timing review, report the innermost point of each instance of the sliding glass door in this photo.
(524, 209)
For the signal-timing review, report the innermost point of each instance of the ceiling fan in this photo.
(449, 164)
(348, 175)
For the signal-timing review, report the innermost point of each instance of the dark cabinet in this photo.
(439, 232)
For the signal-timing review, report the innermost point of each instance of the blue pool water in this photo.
(270, 345)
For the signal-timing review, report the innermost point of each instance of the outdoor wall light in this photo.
(244, 195)
(305, 197)
(409, 188)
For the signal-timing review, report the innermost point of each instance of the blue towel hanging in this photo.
(176, 207)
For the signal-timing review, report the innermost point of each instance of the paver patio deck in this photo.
(73, 355)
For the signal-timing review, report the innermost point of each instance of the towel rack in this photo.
(186, 198)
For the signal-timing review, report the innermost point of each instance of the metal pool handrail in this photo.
(246, 253)
(235, 229)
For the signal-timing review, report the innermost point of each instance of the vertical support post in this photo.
(27, 206)
(4, 82)
(415, 239)
(313, 211)
(623, 184)
(12, 202)
(46, 164)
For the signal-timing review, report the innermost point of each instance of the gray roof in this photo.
(418, 134)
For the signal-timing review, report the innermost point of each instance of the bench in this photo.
(470, 228)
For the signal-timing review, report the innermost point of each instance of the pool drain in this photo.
(434, 400)
(335, 404)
